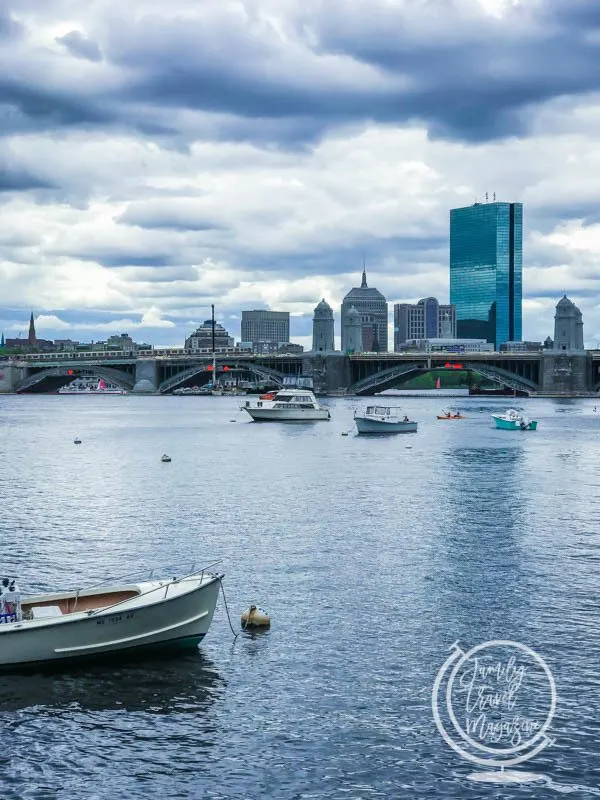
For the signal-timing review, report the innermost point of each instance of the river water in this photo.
(372, 558)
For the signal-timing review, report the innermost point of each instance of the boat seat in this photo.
(41, 612)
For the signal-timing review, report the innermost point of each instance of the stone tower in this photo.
(323, 337)
(568, 326)
(352, 331)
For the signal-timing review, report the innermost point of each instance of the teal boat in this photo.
(511, 420)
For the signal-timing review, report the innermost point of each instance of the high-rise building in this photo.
(265, 326)
(486, 263)
(373, 310)
(202, 337)
(568, 326)
(426, 319)
(323, 338)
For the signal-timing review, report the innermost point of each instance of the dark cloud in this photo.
(9, 27)
(80, 46)
(20, 180)
(123, 258)
(177, 215)
(465, 74)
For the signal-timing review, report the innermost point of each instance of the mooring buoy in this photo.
(255, 617)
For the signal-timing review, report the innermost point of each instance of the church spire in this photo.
(31, 338)
(2, 340)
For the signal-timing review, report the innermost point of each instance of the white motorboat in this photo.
(384, 419)
(289, 405)
(165, 458)
(93, 623)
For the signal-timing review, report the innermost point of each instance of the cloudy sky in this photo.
(159, 156)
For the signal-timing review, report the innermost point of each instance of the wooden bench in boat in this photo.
(72, 603)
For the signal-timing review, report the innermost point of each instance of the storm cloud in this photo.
(255, 153)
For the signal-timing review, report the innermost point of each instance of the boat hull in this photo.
(134, 627)
(513, 425)
(287, 414)
(373, 426)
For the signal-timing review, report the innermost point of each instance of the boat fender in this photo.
(255, 617)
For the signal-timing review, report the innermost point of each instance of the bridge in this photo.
(161, 372)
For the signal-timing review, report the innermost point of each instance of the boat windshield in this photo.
(381, 411)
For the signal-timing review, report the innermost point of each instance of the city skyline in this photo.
(130, 204)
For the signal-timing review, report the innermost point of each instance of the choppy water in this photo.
(371, 558)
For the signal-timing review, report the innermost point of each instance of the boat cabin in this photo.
(383, 411)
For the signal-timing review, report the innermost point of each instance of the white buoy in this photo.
(255, 617)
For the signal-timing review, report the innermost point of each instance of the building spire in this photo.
(2, 340)
(363, 284)
(31, 338)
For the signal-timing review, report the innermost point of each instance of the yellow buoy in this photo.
(255, 617)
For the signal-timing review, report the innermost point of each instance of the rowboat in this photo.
(121, 619)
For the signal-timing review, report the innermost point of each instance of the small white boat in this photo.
(289, 405)
(77, 440)
(124, 619)
(165, 458)
(512, 420)
(384, 419)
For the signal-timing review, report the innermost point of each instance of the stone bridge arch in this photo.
(400, 373)
(121, 378)
(266, 373)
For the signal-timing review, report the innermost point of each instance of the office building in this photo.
(323, 335)
(372, 308)
(265, 326)
(426, 319)
(486, 262)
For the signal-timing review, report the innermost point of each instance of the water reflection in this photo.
(185, 683)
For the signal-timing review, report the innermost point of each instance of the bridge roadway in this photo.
(161, 371)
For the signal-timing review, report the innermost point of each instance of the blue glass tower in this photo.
(486, 264)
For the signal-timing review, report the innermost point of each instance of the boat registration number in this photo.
(114, 620)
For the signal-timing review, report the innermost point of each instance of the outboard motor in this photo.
(10, 601)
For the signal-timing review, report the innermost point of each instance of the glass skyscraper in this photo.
(486, 264)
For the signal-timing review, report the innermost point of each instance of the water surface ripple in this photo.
(371, 557)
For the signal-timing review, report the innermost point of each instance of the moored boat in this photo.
(512, 420)
(289, 405)
(383, 419)
(126, 618)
